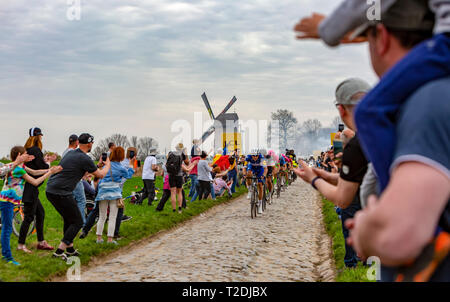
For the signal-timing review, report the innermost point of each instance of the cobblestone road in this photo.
(287, 243)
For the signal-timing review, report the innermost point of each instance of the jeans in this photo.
(233, 175)
(90, 221)
(350, 258)
(213, 193)
(103, 206)
(7, 212)
(67, 207)
(80, 198)
(196, 191)
(193, 178)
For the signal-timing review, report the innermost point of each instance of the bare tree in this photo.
(102, 147)
(134, 141)
(119, 140)
(287, 123)
(145, 144)
(336, 121)
(311, 128)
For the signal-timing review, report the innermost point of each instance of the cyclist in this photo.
(271, 171)
(255, 167)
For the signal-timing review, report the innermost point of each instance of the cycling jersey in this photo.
(256, 166)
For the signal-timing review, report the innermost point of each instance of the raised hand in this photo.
(305, 172)
(308, 27)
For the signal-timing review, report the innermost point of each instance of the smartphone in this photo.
(337, 146)
(341, 127)
(104, 156)
(132, 154)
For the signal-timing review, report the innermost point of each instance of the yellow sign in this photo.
(233, 141)
(332, 135)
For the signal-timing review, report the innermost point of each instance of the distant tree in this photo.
(145, 144)
(119, 140)
(335, 122)
(311, 128)
(134, 141)
(287, 123)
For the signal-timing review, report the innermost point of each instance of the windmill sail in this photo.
(231, 103)
(208, 107)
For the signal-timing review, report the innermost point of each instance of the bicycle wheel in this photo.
(17, 223)
(253, 203)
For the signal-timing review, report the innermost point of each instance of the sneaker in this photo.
(260, 207)
(118, 237)
(12, 261)
(83, 235)
(74, 254)
(61, 256)
(112, 242)
(99, 241)
(126, 218)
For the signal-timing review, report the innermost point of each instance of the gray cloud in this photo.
(135, 66)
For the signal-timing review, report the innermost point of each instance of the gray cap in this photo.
(412, 15)
(346, 91)
(153, 151)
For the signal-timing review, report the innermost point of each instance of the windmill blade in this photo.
(208, 107)
(231, 103)
(207, 133)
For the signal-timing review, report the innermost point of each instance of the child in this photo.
(11, 195)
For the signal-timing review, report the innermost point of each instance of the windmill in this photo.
(223, 138)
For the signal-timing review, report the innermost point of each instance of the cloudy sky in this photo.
(133, 67)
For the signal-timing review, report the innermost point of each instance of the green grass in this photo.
(334, 230)
(40, 266)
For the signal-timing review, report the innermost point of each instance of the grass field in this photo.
(40, 266)
(334, 230)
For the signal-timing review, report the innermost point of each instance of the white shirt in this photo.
(147, 172)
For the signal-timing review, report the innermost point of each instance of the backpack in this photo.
(173, 164)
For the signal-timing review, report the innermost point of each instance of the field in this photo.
(334, 230)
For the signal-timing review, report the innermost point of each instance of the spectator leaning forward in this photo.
(60, 191)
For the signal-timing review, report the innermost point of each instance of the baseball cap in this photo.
(35, 131)
(85, 138)
(346, 91)
(412, 15)
(73, 138)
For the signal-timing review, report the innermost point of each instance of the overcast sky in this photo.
(133, 67)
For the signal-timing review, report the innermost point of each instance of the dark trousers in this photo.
(204, 189)
(350, 258)
(32, 208)
(165, 197)
(149, 190)
(67, 207)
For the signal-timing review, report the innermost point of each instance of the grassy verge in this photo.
(334, 230)
(40, 266)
